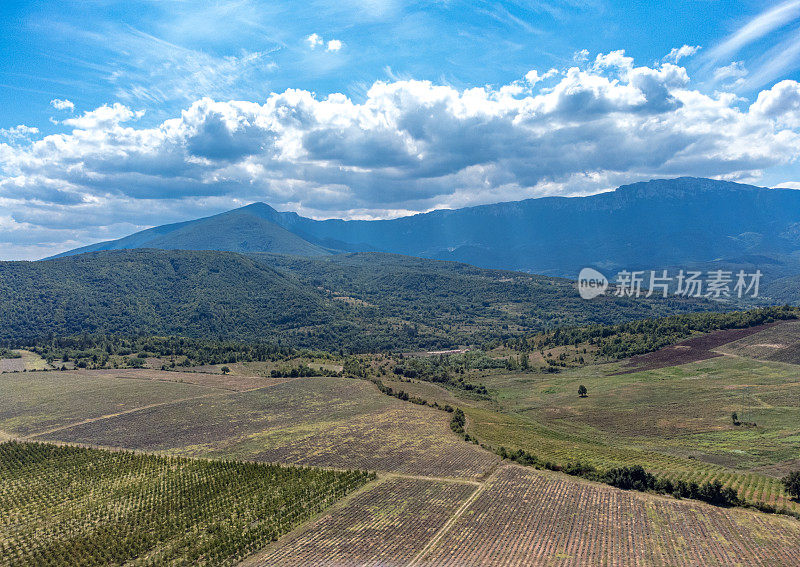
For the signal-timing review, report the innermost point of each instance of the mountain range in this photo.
(665, 223)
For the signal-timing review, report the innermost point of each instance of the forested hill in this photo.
(356, 302)
(241, 230)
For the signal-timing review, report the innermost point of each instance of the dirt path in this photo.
(450, 522)
(126, 412)
(219, 392)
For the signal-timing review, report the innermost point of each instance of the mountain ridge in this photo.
(653, 224)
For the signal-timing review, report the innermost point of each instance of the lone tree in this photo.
(735, 418)
(792, 483)
(225, 369)
(582, 391)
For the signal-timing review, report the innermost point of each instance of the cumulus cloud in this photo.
(314, 40)
(104, 117)
(60, 104)
(407, 146)
(678, 53)
(18, 133)
(533, 76)
(781, 103)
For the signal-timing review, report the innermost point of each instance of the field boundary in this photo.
(255, 558)
(219, 392)
(452, 520)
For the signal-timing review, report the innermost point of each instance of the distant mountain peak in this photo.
(680, 186)
(258, 206)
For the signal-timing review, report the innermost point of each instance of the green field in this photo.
(683, 411)
(71, 506)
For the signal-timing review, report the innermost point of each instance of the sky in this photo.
(118, 116)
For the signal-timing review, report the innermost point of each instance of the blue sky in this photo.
(122, 115)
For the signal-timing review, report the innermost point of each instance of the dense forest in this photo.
(355, 302)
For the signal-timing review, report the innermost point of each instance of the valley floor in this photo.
(438, 500)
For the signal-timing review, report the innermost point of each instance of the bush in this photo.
(458, 421)
(792, 484)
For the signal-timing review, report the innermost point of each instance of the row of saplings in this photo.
(634, 478)
(637, 478)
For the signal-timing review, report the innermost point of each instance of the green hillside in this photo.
(241, 230)
(357, 302)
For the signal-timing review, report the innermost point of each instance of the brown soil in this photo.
(691, 350)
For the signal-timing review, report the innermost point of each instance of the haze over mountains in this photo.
(658, 224)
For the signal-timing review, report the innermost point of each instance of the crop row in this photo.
(72, 505)
(526, 517)
(386, 525)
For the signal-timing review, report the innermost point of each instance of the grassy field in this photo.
(525, 517)
(674, 421)
(71, 506)
(336, 422)
(682, 410)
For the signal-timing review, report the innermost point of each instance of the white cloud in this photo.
(104, 117)
(314, 40)
(533, 76)
(780, 103)
(18, 133)
(408, 146)
(776, 62)
(581, 56)
(60, 104)
(731, 76)
(144, 69)
(678, 53)
(763, 24)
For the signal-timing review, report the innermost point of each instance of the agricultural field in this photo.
(682, 410)
(337, 422)
(440, 500)
(526, 517)
(674, 421)
(35, 402)
(71, 505)
(385, 525)
(779, 342)
(23, 361)
(232, 381)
